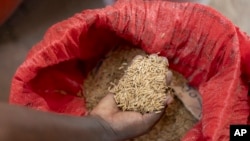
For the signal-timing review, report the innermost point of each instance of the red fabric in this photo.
(245, 53)
(199, 42)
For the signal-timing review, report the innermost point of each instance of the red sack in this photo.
(244, 41)
(199, 42)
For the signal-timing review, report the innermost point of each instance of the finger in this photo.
(169, 100)
(151, 119)
(108, 103)
(169, 77)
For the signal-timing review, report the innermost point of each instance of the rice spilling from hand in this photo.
(143, 87)
(107, 73)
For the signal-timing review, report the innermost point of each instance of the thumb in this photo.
(108, 101)
(107, 105)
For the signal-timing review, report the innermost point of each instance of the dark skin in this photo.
(105, 123)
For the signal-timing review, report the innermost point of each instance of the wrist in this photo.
(100, 129)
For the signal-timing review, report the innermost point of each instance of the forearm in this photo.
(17, 123)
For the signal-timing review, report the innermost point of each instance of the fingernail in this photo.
(169, 77)
(169, 99)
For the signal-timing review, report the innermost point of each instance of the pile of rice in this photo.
(110, 75)
(143, 87)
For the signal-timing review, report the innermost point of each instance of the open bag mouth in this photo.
(199, 43)
(62, 83)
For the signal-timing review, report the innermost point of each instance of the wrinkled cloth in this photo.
(199, 43)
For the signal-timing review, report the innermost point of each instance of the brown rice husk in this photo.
(176, 121)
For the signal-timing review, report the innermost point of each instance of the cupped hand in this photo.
(124, 124)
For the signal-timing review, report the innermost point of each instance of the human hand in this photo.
(124, 125)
